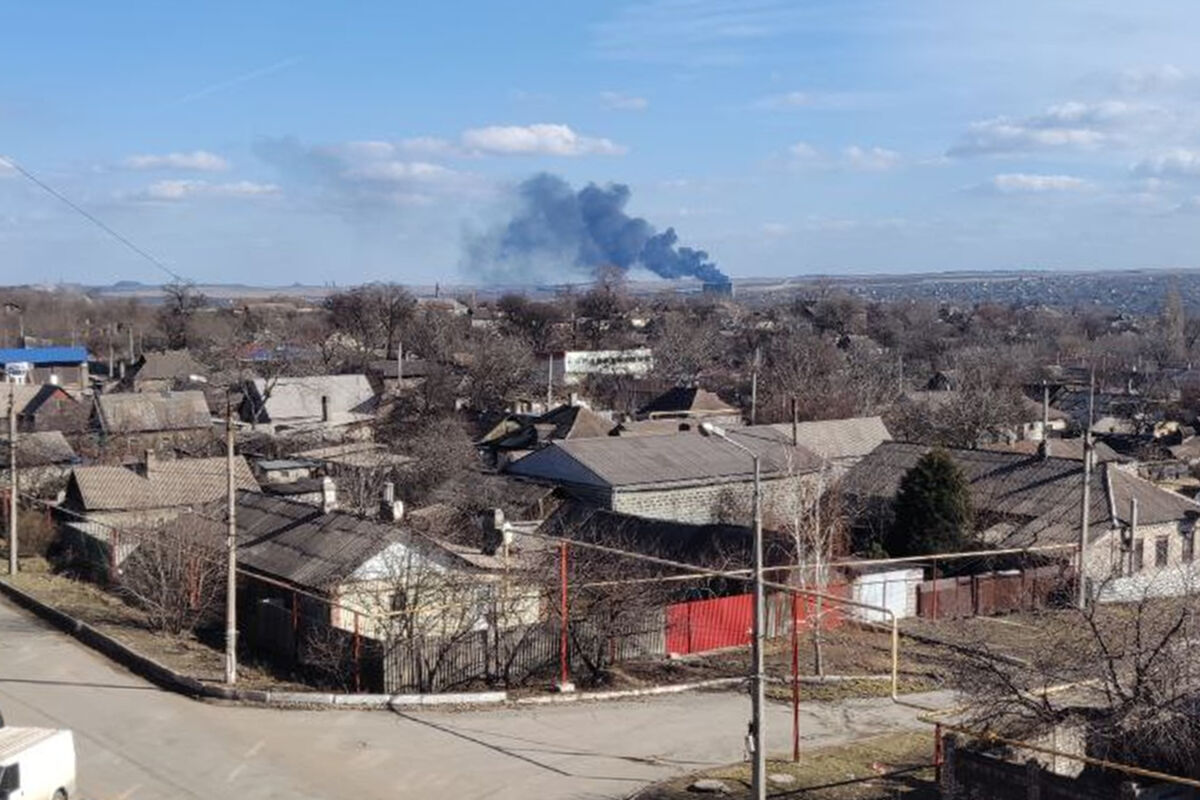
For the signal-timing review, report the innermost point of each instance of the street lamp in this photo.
(758, 770)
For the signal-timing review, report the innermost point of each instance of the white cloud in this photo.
(399, 171)
(538, 139)
(1179, 162)
(198, 160)
(428, 145)
(1149, 80)
(176, 190)
(6, 169)
(1067, 125)
(774, 229)
(618, 101)
(1020, 182)
(791, 101)
(870, 159)
(852, 157)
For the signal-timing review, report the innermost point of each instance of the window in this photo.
(1136, 556)
(1188, 551)
(1162, 546)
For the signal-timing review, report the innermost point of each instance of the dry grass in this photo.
(127, 624)
(887, 766)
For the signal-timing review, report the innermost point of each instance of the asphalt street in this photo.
(136, 742)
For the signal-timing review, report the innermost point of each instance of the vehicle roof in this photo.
(15, 740)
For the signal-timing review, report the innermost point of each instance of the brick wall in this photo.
(698, 504)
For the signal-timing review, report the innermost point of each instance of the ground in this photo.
(878, 767)
(137, 742)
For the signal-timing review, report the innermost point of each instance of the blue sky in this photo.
(274, 143)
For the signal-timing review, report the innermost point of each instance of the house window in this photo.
(1136, 557)
(1161, 549)
(1188, 552)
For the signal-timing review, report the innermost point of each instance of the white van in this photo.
(36, 764)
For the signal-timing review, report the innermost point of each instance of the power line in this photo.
(91, 218)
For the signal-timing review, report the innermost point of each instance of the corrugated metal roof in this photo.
(838, 438)
(180, 482)
(153, 411)
(44, 355)
(681, 459)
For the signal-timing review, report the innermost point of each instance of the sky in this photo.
(296, 142)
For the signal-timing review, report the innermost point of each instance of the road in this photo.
(136, 742)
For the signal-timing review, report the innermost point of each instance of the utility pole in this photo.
(754, 389)
(399, 364)
(129, 330)
(758, 772)
(231, 551)
(1080, 579)
(13, 483)
(550, 377)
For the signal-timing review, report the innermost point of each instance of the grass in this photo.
(886, 766)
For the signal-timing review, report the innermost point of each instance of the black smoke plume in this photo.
(588, 229)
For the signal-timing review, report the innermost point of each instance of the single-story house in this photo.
(685, 477)
(517, 434)
(44, 460)
(842, 443)
(63, 366)
(53, 408)
(690, 402)
(134, 422)
(309, 403)
(1025, 501)
(164, 369)
(412, 373)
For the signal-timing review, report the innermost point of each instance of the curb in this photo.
(623, 694)
(166, 678)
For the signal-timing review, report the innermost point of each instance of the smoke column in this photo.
(589, 229)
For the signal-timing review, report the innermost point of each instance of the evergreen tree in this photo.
(933, 509)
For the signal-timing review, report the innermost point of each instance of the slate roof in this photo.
(40, 449)
(1060, 448)
(168, 365)
(297, 400)
(413, 368)
(684, 459)
(835, 439)
(686, 400)
(563, 422)
(143, 412)
(170, 483)
(1040, 495)
(41, 356)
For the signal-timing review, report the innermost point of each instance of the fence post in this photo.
(795, 681)
(357, 656)
(295, 629)
(937, 753)
(564, 672)
(935, 589)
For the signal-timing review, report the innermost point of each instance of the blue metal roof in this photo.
(44, 355)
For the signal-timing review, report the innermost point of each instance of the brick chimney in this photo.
(324, 408)
(390, 509)
(151, 462)
(328, 495)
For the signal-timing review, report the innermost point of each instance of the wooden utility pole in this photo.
(13, 482)
(231, 552)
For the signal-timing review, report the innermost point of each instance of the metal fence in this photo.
(992, 593)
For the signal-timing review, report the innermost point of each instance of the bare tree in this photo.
(175, 574)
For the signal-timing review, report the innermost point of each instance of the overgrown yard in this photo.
(185, 654)
(887, 766)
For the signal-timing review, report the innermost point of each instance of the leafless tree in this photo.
(175, 575)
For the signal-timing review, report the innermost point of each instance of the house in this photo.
(53, 408)
(842, 443)
(683, 477)
(1059, 448)
(569, 367)
(388, 376)
(62, 366)
(138, 421)
(315, 403)
(691, 403)
(44, 460)
(367, 571)
(1138, 533)
(282, 470)
(516, 435)
(106, 506)
(163, 370)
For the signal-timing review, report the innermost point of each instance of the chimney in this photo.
(324, 408)
(121, 370)
(151, 462)
(328, 495)
(390, 509)
(1044, 446)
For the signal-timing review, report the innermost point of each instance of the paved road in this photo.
(136, 742)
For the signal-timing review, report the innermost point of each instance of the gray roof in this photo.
(38, 450)
(168, 365)
(1042, 495)
(153, 411)
(835, 439)
(297, 401)
(166, 484)
(679, 460)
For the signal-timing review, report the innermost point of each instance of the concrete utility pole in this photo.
(1080, 579)
(399, 364)
(754, 390)
(231, 551)
(758, 772)
(13, 482)
(550, 378)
